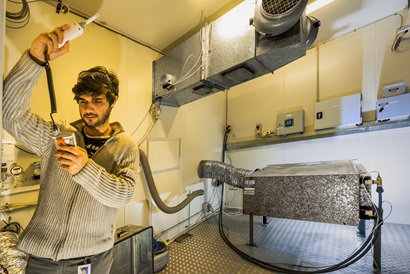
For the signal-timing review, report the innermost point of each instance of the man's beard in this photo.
(100, 121)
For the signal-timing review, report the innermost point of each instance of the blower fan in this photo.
(274, 17)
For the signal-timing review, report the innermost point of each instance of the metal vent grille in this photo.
(276, 7)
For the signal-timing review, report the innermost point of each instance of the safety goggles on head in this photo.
(96, 76)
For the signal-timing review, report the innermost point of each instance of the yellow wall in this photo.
(133, 64)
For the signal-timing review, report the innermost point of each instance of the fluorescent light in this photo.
(317, 5)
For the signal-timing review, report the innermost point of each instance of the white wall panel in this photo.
(340, 66)
(383, 151)
(360, 59)
(342, 17)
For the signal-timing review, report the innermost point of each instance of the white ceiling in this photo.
(155, 23)
(162, 24)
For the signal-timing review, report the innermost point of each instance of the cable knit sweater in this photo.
(75, 215)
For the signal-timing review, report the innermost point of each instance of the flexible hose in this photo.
(154, 193)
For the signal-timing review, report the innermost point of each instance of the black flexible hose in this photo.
(154, 193)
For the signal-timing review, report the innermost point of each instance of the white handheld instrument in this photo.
(76, 30)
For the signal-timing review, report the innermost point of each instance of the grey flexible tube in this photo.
(154, 193)
(223, 172)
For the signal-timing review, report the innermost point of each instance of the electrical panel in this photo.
(343, 111)
(395, 107)
(290, 122)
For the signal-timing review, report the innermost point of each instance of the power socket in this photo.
(205, 207)
(258, 129)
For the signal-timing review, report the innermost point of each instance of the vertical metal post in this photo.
(377, 250)
(264, 220)
(251, 243)
(361, 228)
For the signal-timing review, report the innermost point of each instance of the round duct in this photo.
(312, 29)
(274, 17)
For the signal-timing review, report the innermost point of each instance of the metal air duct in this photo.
(249, 41)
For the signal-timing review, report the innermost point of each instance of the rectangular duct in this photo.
(223, 54)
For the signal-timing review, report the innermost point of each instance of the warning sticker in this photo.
(249, 187)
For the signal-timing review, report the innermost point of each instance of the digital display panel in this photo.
(289, 122)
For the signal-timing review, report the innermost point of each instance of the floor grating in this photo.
(287, 243)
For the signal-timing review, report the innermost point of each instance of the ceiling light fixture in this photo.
(317, 5)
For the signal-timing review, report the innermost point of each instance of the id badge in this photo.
(84, 269)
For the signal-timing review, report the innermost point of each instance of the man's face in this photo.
(94, 111)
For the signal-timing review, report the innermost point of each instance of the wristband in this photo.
(38, 61)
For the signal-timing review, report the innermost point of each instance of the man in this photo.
(81, 186)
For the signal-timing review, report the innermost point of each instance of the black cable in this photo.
(12, 227)
(21, 14)
(53, 101)
(20, 17)
(227, 130)
(50, 83)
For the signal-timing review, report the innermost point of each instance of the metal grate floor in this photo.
(285, 243)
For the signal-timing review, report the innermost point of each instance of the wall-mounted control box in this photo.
(395, 107)
(394, 90)
(343, 111)
(290, 122)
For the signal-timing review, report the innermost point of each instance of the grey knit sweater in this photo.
(75, 215)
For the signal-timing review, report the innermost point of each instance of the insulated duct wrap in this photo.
(329, 191)
(154, 192)
(223, 172)
(12, 260)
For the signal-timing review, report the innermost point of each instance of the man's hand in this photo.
(47, 43)
(71, 158)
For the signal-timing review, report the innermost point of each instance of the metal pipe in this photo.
(154, 192)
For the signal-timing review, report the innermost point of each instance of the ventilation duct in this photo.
(249, 41)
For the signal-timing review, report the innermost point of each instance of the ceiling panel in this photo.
(157, 23)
